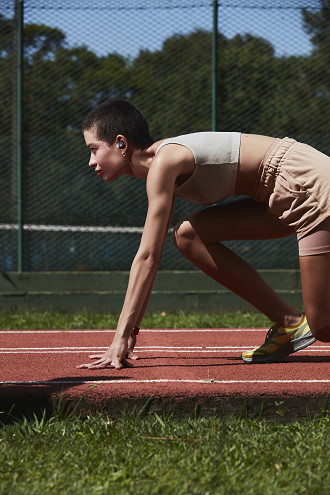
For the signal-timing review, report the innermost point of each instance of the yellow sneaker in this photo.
(280, 342)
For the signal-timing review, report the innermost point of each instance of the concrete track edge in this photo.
(101, 292)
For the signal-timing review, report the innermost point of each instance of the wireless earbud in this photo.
(121, 145)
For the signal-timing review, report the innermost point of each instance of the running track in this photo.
(172, 363)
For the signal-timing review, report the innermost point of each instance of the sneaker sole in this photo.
(290, 348)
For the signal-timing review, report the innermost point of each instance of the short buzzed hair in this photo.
(118, 117)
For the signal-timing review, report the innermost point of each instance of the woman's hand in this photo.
(131, 345)
(114, 356)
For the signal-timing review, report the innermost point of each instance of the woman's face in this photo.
(107, 160)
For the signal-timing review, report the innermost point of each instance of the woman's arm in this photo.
(160, 190)
(132, 337)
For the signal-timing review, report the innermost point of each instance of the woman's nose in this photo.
(92, 162)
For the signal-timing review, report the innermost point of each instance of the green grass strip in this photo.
(136, 454)
(48, 320)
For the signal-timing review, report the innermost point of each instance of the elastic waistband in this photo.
(270, 167)
(269, 150)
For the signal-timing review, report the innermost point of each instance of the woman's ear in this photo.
(121, 142)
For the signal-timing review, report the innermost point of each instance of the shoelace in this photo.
(272, 329)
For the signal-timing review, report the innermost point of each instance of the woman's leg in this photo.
(198, 238)
(315, 278)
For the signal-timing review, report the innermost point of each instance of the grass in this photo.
(152, 454)
(71, 452)
(47, 320)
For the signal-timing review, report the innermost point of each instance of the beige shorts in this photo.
(294, 181)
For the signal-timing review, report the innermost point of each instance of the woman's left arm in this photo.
(160, 190)
(132, 338)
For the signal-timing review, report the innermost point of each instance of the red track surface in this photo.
(173, 363)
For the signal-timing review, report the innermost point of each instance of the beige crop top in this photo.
(216, 157)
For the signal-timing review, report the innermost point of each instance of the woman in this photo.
(287, 185)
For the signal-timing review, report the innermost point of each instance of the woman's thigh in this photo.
(241, 219)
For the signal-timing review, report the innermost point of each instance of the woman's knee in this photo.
(183, 234)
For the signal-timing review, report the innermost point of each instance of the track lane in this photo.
(180, 362)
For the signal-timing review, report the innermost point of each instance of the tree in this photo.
(317, 24)
(179, 79)
(248, 69)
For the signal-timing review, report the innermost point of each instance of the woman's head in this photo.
(116, 117)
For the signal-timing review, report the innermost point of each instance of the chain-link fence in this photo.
(256, 66)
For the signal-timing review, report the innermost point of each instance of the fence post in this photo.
(215, 67)
(19, 97)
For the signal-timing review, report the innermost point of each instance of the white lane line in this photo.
(143, 330)
(50, 348)
(137, 348)
(103, 349)
(156, 349)
(119, 382)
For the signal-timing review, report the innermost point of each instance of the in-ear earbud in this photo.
(121, 145)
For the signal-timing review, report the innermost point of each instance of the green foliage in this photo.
(317, 24)
(182, 97)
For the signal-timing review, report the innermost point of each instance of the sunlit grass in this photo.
(157, 454)
(48, 320)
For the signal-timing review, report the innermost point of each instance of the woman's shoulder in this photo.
(172, 157)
